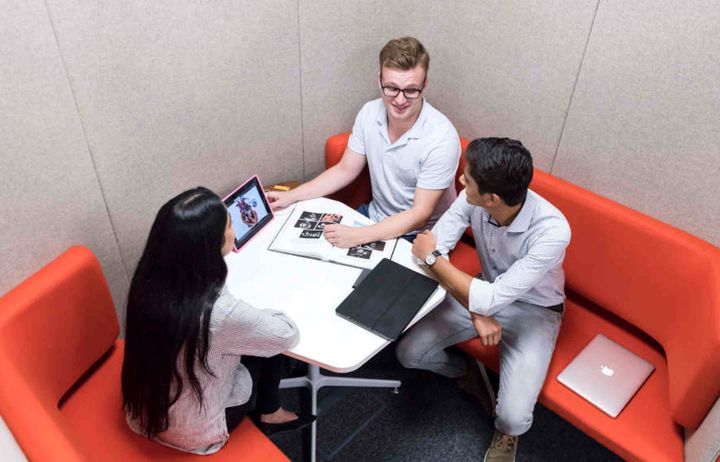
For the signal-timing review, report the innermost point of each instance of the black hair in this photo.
(502, 166)
(176, 283)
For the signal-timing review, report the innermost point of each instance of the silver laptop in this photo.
(606, 374)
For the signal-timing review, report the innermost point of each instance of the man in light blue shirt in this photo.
(411, 150)
(517, 302)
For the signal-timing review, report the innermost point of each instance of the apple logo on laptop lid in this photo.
(606, 371)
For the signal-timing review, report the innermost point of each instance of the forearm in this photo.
(455, 281)
(395, 226)
(415, 218)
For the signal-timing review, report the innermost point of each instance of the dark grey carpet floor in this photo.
(429, 420)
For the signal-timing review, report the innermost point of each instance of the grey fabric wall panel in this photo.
(179, 94)
(498, 68)
(643, 125)
(9, 449)
(50, 198)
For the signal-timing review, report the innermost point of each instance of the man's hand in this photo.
(423, 245)
(488, 329)
(279, 199)
(343, 236)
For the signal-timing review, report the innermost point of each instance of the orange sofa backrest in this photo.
(356, 193)
(53, 328)
(461, 166)
(658, 278)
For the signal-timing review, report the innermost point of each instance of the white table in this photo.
(308, 291)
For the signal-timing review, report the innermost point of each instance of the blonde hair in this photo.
(404, 53)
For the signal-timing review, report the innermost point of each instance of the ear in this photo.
(485, 200)
(379, 79)
(494, 200)
(426, 84)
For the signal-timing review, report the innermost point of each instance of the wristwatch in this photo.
(430, 259)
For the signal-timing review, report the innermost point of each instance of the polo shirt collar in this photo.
(415, 131)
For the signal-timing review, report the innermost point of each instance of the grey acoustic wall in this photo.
(619, 98)
(111, 108)
(9, 449)
(164, 96)
(501, 68)
(176, 94)
(51, 198)
(644, 124)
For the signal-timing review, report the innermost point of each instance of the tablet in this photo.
(249, 211)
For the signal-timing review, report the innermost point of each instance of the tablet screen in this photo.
(249, 210)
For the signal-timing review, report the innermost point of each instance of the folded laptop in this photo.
(606, 374)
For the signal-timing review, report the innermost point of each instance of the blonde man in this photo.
(411, 149)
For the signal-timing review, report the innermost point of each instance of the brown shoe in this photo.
(502, 448)
(473, 383)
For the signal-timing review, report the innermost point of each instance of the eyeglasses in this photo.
(408, 93)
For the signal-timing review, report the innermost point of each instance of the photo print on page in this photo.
(359, 252)
(311, 234)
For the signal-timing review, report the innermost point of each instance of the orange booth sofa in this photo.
(60, 362)
(648, 286)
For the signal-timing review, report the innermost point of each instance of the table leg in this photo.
(313, 374)
(315, 381)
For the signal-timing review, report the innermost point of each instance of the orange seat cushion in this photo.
(94, 413)
(465, 257)
(644, 430)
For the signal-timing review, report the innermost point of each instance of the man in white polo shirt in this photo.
(411, 149)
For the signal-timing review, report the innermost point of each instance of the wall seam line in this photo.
(302, 109)
(572, 93)
(87, 142)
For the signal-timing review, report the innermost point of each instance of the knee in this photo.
(514, 418)
(408, 353)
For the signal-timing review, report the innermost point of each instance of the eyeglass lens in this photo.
(409, 93)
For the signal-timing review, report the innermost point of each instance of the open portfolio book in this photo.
(302, 234)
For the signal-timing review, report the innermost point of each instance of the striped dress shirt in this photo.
(236, 329)
(520, 262)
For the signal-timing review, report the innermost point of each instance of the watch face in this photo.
(430, 259)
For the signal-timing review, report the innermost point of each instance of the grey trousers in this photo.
(526, 346)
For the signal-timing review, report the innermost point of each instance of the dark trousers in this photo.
(266, 374)
(365, 210)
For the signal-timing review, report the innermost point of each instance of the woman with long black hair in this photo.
(194, 354)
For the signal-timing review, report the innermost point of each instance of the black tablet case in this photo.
(387, 299)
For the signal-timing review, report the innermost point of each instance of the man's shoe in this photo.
(502, 448)
(474, 384)
(268, 429)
